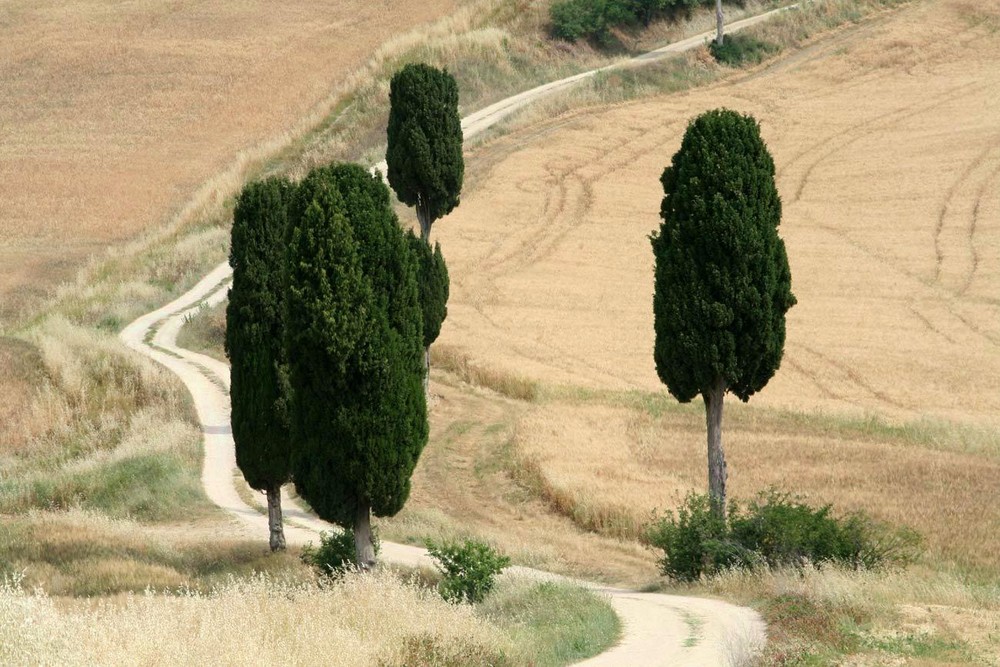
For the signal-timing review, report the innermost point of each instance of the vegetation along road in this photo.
(659, 629)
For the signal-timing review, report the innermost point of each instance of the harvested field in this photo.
(112, 115)
(888, 151)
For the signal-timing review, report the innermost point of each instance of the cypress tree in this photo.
(433, 285)
(424, 154)
(354, 340)
(254, 343)
(722, 281)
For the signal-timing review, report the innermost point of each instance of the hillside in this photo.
(114, 115)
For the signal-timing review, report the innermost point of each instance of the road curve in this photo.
(658, 629)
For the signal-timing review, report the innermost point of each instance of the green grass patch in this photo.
(552, 624)
(147, 487)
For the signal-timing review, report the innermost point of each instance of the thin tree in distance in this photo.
(255, 344)
(718, 22)
(722, 280)
(354, 339)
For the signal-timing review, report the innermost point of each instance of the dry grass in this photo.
(506, 384)
(83, 553)
(362, 619)
(92, 424)
(609, 468)
(914, 617)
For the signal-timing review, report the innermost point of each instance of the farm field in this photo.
(887, 147)
(114, 115)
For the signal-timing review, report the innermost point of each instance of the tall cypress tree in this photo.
(354, 340)
(254, 343)
(424, 159)
(424, 154)
(723, 284)
(433, 285)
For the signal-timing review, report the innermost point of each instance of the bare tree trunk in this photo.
(716, 457)
(425, 224)
(718, 22)
(363, 547)
(277, 539)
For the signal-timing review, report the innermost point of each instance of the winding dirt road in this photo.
(658, 629)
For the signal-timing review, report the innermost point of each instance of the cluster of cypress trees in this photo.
(333, 306)
(331, 315)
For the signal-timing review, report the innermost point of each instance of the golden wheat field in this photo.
(887, 144)
(113, 114)
(886, 138)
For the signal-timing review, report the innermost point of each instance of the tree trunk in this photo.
(277, 539)
(718, 22)
(363, 548)
(424, 218)
(716, 457)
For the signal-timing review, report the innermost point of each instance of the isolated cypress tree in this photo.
(424, 154)
(723, 284)
(432, 280)
(254, 343)
(354, 339)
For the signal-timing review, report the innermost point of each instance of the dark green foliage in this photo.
(776, 530)
(432, 281)
(696, 541)
(469, 569)
(740, 49)
(354, 338)
(255, 334)
(424, 154)
(335, 554)
(585, 19)
(723, 284)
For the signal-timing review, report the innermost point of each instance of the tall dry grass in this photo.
(100, 427)
(361, 619)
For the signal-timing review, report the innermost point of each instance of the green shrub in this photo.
(469, 569)
(739, 49)
(776, 530)
(582, 19)
(695, 541)
(336, 553)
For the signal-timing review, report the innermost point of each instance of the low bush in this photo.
(469, 569)
(335, 554)
(739, 49)
(775, 529)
